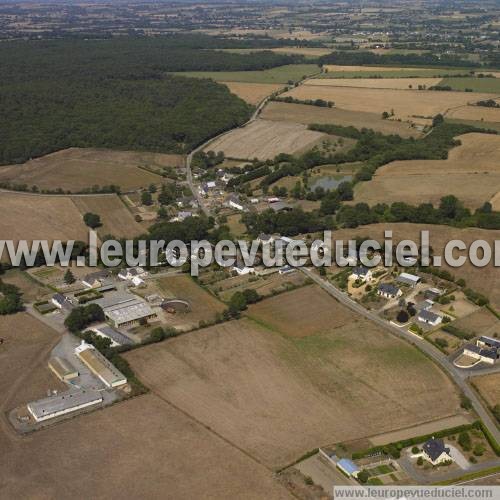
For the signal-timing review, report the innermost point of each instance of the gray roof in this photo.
(113, 334)
(428, 316)
(63, 402)
(279, 206)
(490, 342)
(98, 275)
(360, 270)
(435, 448)
(127, 311)
(388, 288)
(485, 353)
(408, 279)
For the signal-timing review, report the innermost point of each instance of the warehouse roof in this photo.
(63, 402)
(409, 279)
(113, 334)
(98, 364)
(62, 368)
(348, 466)
(128, 311)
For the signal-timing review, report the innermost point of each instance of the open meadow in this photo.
(282, 111)
(280, 74)
(76, 169)
(406, 105)
(475, 84)
(264, 139)
(277, 395)
(253, 93)
(471, 173)
(338, 71)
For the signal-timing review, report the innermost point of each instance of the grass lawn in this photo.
(281, 74)
(375, 481)
(476, 84)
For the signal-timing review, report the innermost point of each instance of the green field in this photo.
(476, 123)
(281, 74)
(394, 73)
(476, 84)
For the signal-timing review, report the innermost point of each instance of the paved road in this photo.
(458, 376)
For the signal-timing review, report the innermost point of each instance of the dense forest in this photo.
(118, 94)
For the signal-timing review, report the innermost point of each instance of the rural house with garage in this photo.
(361, 273)
(429, 317)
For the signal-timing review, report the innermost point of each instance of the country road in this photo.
(457, 376)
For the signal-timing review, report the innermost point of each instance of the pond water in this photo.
(328, 181)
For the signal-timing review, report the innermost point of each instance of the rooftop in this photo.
(113, 334)
(435, 448)
(348, 466)
(428, 316)
(388, 288)
(132, 309)
(63, 402)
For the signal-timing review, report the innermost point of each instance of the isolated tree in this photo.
(437, 120)
(69, 277)
(92, 220)
(402, 316)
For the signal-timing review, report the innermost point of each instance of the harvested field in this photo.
(253, 93)
(477, 113)
(471, 173)
(485, 280)
(116, 218)
(418, 103)
(376, 83)
(36, 217)
(140, 448)
(489, 388)
(280, 74)
(495, 202)
(264, 139)
(301, 313)
(76, 169)
(281, 111)
(278, 397)
(24, 354)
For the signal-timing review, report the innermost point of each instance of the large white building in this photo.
(100, 366)
(62, 404)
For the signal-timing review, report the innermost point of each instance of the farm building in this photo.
(63, 369)
(62, 404)
(389, 291)
(125, 310)
(95, 280)
(348, 467)
(62, 302)
(429, 318)
(100, 366)
(361, 273)
(435, 452)
(130, 273)
(116, 337)
(408, 279)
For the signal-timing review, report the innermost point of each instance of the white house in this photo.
(241, 269)
(389, 291)
(429, 318)
(362, 273)
(95, 280)
(234, 201)
(435, 452)
(485, 349)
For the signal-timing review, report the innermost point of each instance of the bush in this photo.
(496, 412)
(363, 476)
(420, 461)
(441, 342)
(464, 441)
(158, 334)
(402, 316)
(415, 450)
(479, 449)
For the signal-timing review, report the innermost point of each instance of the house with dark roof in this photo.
(389, 291)
(435, 452)
(62, 302)
(95, 280)
(361, 273)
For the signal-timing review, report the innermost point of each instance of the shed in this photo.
(348, 467)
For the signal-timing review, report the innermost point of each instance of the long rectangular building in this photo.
(100, 366)
(62, 368)
(62, 404)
